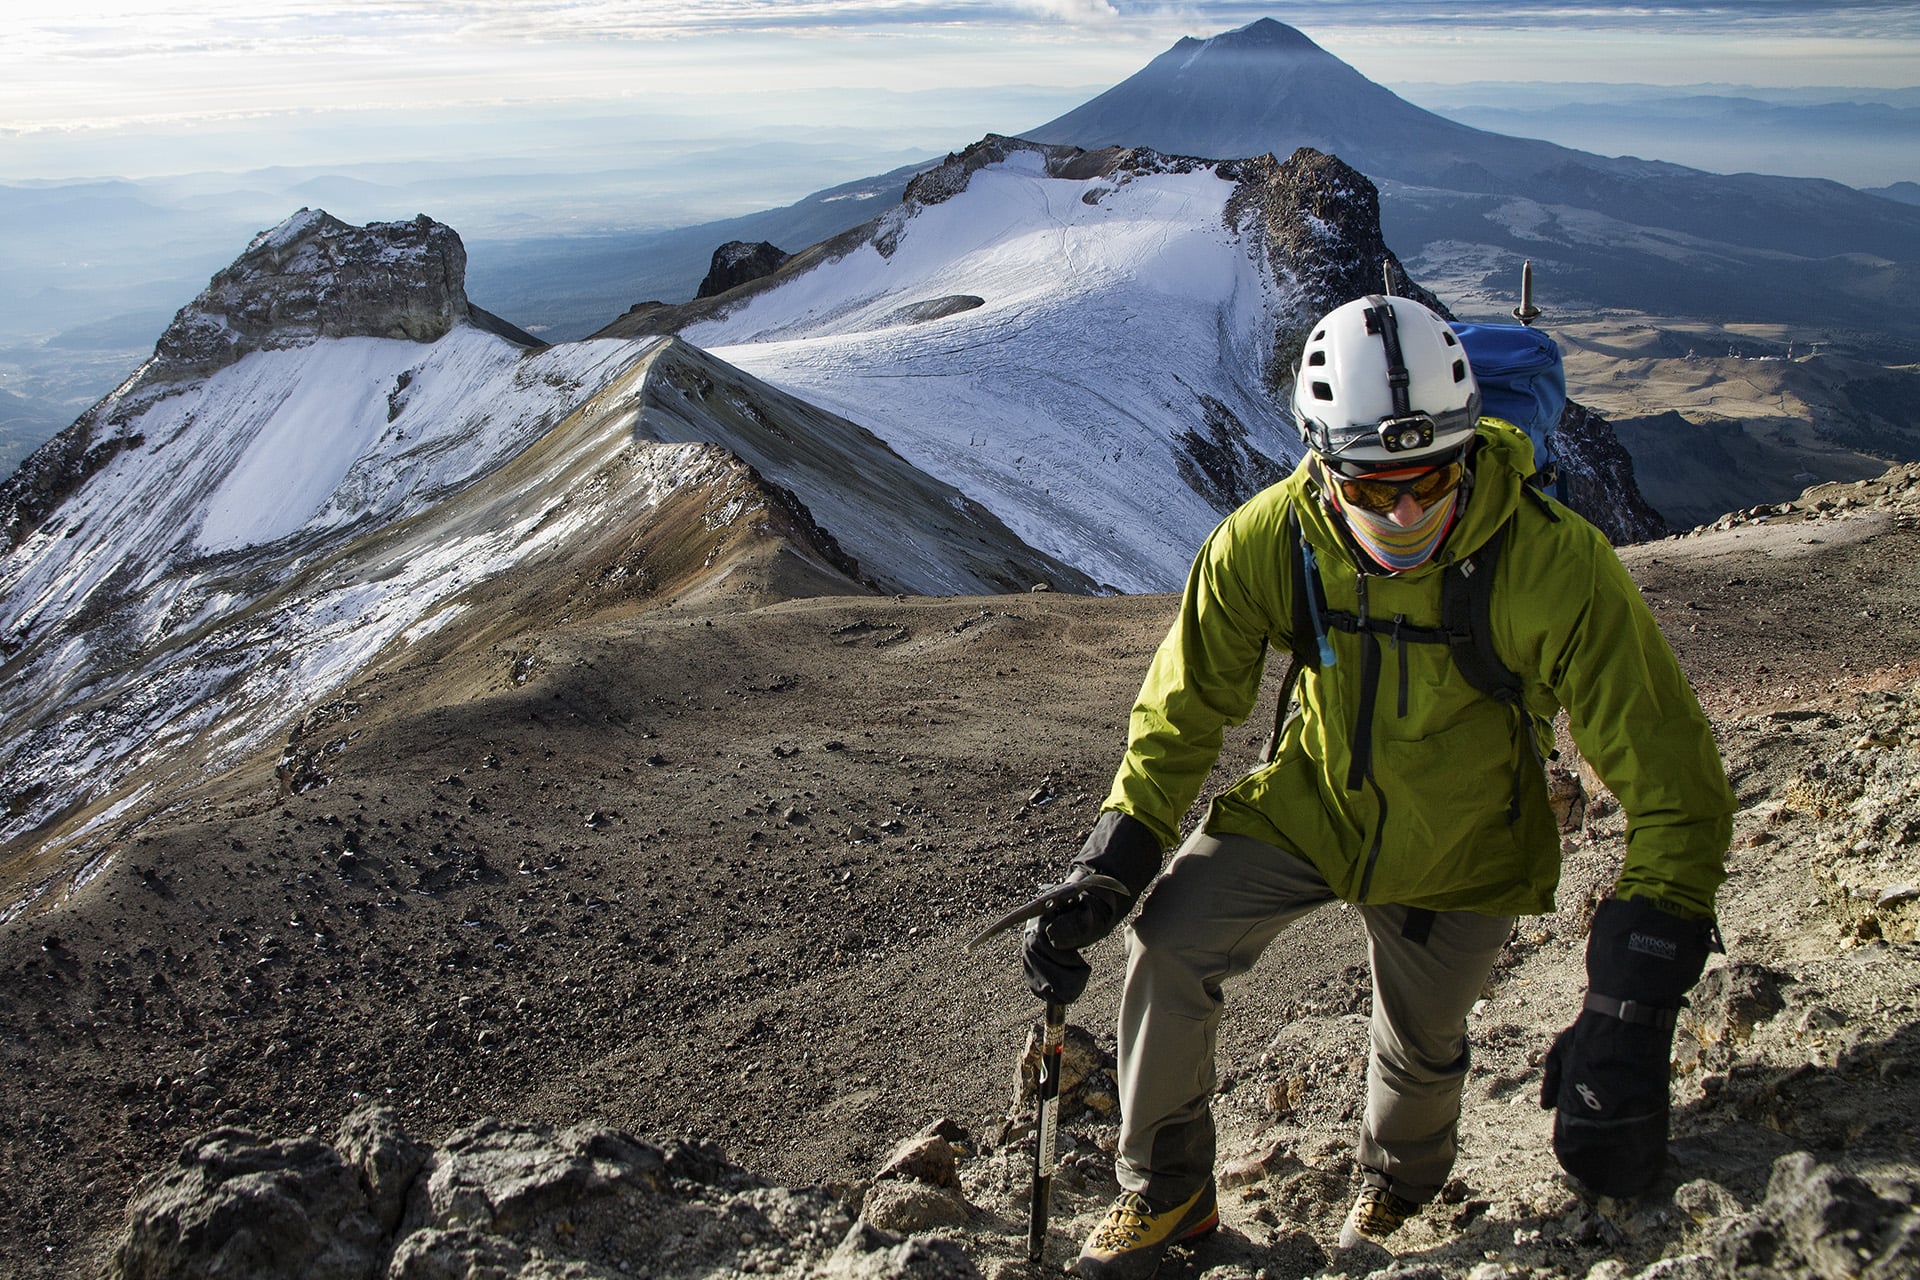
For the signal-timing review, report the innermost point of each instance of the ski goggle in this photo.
(1381, 496)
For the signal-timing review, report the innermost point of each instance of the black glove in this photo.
(1056, 974)
(1119, 846)
(1608, 1073)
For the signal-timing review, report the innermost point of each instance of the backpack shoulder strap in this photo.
(1301, 589)
(1536, 486)
(1308, 643)
(1466, 614)
(1466, 608)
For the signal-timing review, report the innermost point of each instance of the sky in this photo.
(226, 84)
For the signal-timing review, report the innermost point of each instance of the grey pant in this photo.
(1221, 901)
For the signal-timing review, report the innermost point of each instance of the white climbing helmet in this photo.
(1382, 382)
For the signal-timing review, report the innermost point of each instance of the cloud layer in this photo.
(89, 65)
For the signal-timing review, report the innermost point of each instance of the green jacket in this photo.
(1429, 825)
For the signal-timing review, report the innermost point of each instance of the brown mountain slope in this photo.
(704, 870)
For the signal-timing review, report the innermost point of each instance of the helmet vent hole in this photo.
(1451, 341)
(1316, 358)
(1321, 391)
(1459, 370)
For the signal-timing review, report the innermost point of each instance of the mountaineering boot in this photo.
(1377, 1213)
(1129, 1242)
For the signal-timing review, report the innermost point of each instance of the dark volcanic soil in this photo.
(708, 875)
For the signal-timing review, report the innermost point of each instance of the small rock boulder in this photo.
(1819, 1222)
(738, 261)
(910, 1207)
(869, 1253)
(1732, 999)
(239, 1205)
(499, 1176)
(385, 1158)
(1086, 1075)
(925, 1157)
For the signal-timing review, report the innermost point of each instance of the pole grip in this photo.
(1046, 1132)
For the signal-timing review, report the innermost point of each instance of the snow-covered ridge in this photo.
(198, 584)
(261, 534)
(1116, 382)
(335, 436)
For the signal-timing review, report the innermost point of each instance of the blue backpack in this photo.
(1521, 379)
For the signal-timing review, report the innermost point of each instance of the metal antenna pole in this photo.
(1526, 313)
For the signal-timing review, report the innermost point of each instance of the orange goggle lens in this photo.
(1381, 496)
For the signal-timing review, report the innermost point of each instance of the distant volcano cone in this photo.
(1266, 87)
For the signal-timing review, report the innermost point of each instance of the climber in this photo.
(1409, 782)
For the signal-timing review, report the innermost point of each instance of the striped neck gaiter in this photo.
(1394, 548)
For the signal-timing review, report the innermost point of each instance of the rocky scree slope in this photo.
(350, 1017)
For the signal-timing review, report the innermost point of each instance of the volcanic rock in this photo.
(737, 262)
(1818, 1221)
(314, 276)
(504, 1200)
(237, 1204)
(1598, 475)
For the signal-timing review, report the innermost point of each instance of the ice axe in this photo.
(1053, 1040)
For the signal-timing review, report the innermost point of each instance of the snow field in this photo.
(1092, 292)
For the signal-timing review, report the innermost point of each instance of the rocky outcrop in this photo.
(1321, 224)
(1598, 475)
(738, 261)
(1321, 220)
(240, 1206)
(499, 1201)
(314, 276)
(55, 470)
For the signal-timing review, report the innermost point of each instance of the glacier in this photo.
(1115, 314)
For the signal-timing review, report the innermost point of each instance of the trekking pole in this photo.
(1052, 1045)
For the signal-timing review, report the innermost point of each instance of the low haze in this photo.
(230, 84)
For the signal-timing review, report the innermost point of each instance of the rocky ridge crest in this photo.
(1598, 475)
(312, 276)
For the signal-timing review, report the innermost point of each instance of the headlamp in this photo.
(1410, 432)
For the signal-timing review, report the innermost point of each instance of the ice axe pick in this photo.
(1061, 895)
